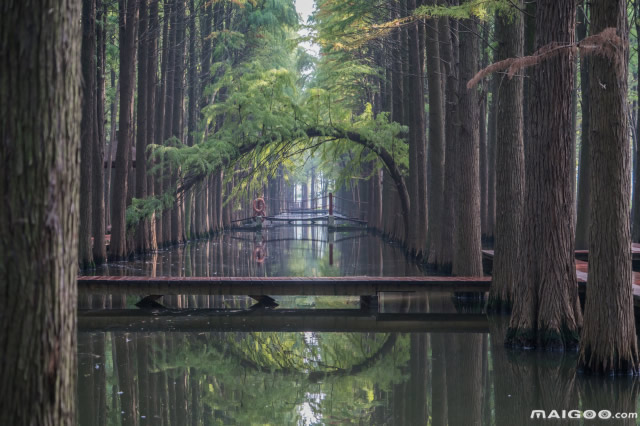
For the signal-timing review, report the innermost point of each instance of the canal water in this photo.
(280, 366)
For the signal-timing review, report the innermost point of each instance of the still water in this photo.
(282, 367)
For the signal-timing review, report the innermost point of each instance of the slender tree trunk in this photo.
(177, 217)
(584, 185)
(160, 120)
(609, 342)
(484, 153)
(128, 11)
(448, 48)
(113, 143)
(170, 16)
(142, 227)
(194, 92)
(509, 166)
(205, 78)
(546, 312)
(436, 138)
(152, 107)
(491, 160)
(417, 143)
(467, 260)
(87, 135)
(98, 209)
(40, 115)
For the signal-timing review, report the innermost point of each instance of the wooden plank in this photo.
(293, 320)
(277, 286)
(582, 272)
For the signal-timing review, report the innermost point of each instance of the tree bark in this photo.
(414, 117)
(509, 166)
(128, 17)
(609, 343)
(436, 139)
(467, 260)
(152, 107)
(142, 227)
(448, 51)
(170, 16)
(546, 312)
(40, 113)
(584, 185)
(177, 217)
(635, 226)
(97, 178)
(111, 154)
(87, 130)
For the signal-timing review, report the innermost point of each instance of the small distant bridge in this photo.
(297, 214)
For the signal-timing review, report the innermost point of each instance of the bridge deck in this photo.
(582, 268)
(278, 286)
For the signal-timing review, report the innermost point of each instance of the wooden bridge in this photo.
(582, 270)
(278, 286)
(295, 216)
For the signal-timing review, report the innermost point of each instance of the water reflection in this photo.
(276, 251)
(205, 377)
(330, 378)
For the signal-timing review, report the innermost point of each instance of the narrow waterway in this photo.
(177, 366)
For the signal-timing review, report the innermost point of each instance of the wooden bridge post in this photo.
(369, 303)
(331, 222)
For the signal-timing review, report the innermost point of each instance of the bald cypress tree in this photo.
(88, 133)
(467, 259)
(128, 19)
(546, 311)
(608, 342)
(40, 117)
(509, 163)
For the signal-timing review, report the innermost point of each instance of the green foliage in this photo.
(144, 209)
(266, 92)
(482, 9)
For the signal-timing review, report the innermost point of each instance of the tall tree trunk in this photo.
(87, 130)
(467, 260)
(203, 197)
(546, 312)
(448, 52)
(489, 228)
(97, 178)
(609, 343)
(436, 138)
(192, 77)
(509, 166)
(584, 186)
(177, 217)
(152, 107)
(484, 153)
(40, 116)
(128, 17)
(635, 226)
(113, 143)
(417, 143)
(160, 119)
(142, 227)
(170, 16)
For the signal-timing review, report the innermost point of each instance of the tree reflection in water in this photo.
(205, 378)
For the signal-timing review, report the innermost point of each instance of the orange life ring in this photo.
(258, 254)
(259, 206)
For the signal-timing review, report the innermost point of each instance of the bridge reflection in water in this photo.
(415, 358)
